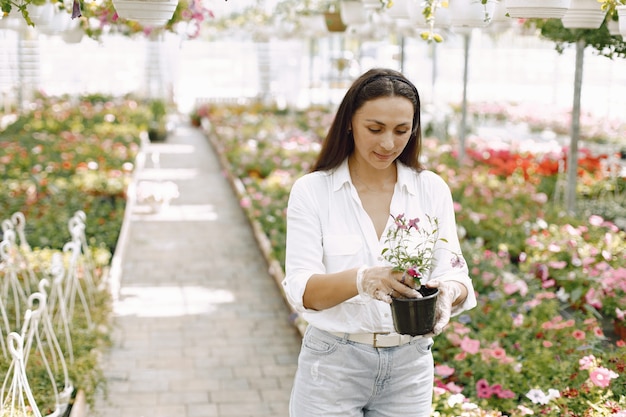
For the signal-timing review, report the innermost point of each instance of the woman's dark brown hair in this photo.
(375, 83)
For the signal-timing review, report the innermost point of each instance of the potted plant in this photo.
(410, 249)
(475, 13)
(584, 14)
(539, 9)
(617, 7)
(157, 128)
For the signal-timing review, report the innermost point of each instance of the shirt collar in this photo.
(341, 175)
(406, 178)
(405, 175)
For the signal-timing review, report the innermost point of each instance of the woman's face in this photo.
(382, 128)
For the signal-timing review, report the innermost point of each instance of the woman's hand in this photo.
(451, 293)
(380, 282)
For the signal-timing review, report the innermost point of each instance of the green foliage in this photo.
(599, 39)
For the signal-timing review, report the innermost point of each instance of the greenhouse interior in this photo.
(148, 152)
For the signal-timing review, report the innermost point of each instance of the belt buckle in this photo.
(375, 337)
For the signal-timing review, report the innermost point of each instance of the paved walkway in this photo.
(201, 328)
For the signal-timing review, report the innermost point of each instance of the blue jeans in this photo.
(340, 378)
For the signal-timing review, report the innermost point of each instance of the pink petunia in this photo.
(483, 390)
(587, 362)
(470, 346)
(444, 371)
(454, 388)
(601, 377)
(578, 335)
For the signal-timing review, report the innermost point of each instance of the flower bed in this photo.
(537, 343)
(65, 165)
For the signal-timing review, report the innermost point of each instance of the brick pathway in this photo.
(201, 328)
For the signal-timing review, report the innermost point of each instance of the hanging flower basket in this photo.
(334, 22)
(621, 13)
(540, 9)
(584, 14)
(353, 12)
(152, 13)
(473, 14)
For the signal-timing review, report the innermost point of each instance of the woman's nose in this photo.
(387, 142)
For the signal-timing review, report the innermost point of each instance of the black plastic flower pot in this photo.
(415, 316)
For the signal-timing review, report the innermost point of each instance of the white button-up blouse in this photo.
(329, 231)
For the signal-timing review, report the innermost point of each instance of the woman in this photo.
(351, 362)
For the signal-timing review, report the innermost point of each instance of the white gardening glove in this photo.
(449, 291)
(379, 282)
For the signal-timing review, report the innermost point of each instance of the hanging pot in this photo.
(500, 21)
(540, 9)
(312, 25)
(584, 14)
(41, 15)
(152, 13)
(400, 9)
(621, 14)
(613, 27)
(334, 22)
(415, 316)
(60, 22)
(471, 13)
(372, 4)
(73, 34)
(352, 12)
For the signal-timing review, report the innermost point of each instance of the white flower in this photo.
(537, 396)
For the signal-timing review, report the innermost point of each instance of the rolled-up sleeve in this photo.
(304, 251)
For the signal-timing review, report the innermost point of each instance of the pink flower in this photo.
(578, 335)
(557, 264)
(587, 362)
(470, 346)
(507, 393)
(601, 377)
(547, 344)
(483, 390)
(595, 220)
(454, 388)
(444, 371)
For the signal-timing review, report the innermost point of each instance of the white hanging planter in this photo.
(73, 35)
(312, 25)
(41, 15)
(500, 21)
(584, 14)
(400, 9)
(372, 4)
(471, 13)
(443, 19)
(152, 13)
(541, 9)
(353, 12)
(621, 14)
(61, 21)
(613, 27)
(14, 21)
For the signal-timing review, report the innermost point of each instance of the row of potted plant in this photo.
(541, 274)
(63, 157)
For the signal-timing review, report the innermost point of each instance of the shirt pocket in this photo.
(342, 245)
